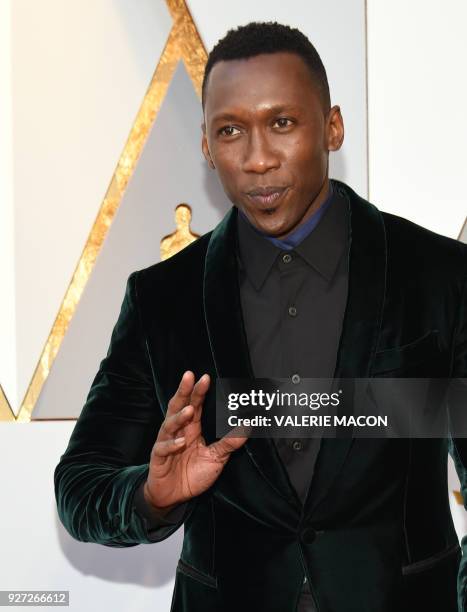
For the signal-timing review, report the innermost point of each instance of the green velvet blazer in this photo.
(375, 533)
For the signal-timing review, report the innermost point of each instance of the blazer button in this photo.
(308, 535)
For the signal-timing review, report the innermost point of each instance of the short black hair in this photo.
(259, 37)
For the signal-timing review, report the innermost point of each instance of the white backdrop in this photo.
(72, 77)
(417, 96)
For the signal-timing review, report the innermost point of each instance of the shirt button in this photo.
(295, 379)
(287, 258)
(297, 445)
(292, 311)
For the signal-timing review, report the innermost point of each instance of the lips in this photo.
(265, 196)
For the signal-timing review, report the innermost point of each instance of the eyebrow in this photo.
(272, 110)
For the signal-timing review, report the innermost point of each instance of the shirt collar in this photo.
(320, 243)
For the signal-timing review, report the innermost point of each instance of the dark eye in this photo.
(283, 122)
(229, 130)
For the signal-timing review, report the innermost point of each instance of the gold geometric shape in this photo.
(6, 413)
(183, 43)
(182, 236)
(458, 497)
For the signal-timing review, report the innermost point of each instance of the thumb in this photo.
(227, 445)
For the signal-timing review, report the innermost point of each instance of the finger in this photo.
(165, 448)
(175, 422)
(181, 396)
(174, 425)
(199, 393)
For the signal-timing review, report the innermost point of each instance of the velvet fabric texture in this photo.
(375, 533)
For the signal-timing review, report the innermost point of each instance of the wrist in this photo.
(162, 510)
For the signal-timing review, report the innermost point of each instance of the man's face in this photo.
(268, 136)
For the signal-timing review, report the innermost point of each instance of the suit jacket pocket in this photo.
(192, 572)
(431, 584)
(410, 357)
(426, 564)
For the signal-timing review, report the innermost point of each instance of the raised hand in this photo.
(182, 466)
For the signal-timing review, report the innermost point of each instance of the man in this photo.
(302, 278)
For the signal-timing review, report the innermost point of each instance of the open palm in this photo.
(182, 466)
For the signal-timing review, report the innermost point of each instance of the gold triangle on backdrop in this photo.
(183, 43)
(6, 413)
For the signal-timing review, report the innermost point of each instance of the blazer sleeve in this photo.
(107, 458)
(458, 445)
(154, 519)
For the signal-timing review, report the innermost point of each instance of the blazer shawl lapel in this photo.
(361, 327)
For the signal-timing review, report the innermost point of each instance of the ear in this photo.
(334, 129)
(205, 147)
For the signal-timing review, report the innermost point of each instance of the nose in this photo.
(259, 156)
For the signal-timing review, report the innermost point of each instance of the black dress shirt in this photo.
(293, 304)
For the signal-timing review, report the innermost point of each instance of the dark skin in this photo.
(266, 128)
(268, 134)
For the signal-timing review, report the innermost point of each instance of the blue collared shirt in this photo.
(302, 231)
